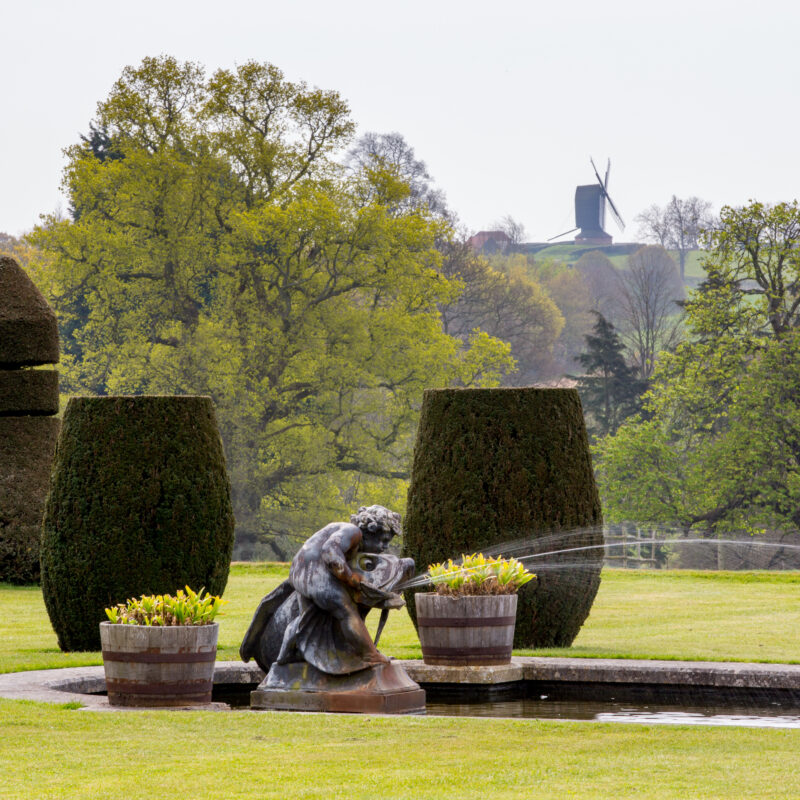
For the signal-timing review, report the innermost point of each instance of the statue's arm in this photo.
(336, 550)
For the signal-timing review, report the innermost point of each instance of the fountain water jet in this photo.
(518, 548)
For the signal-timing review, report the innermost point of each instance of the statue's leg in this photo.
(354, 629)
(289, 652)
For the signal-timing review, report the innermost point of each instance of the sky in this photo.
(504, 101)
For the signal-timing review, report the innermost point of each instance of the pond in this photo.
(644, 704)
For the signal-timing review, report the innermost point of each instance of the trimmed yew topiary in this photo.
(28, 327)
(139, 504)
(495, 465)
(28, 392)
(28, 401)
(26, 452)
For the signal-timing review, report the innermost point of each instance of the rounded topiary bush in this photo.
(139, 503)
(495, 465)
(26, 453)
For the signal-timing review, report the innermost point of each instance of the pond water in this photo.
(775, 716)
(603, 703)
(642, 703)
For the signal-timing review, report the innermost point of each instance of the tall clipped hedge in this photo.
(139, 503)
(494, 465)
(28, 427)
(26, 452)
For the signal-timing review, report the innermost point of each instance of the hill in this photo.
(618, 253)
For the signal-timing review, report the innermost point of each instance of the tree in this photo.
(602, 279)
(226, 252)
(677, 226)
(570, 291)
(722, 448)
(649, 313)
(610, 390)
(512, 228)
(390, 155)
(508, 305)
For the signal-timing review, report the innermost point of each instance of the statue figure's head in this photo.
(378, 526)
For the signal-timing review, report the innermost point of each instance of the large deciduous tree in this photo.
(722, 448)
(602, 279)
(506, 304)
(389, 156)
(677, 226)
(648, 310)
(223, 250)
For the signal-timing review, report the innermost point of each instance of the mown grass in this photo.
(670, 614)
(51, 752)
(48, 753)
(677, 614)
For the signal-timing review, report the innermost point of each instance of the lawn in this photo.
(675, 614)
(53, 752)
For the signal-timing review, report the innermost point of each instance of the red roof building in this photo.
(489, 242)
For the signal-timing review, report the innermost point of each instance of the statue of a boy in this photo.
(337, 576)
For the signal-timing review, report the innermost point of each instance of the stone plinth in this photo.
(382, 689)
(479, 676)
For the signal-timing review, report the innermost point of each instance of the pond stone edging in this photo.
(80, 684)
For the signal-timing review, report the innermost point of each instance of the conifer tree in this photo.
(610, 389)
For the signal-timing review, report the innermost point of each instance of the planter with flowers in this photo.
(160, 650)
(469, 618)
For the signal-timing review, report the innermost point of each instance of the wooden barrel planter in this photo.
(159, 666)
(466, 631)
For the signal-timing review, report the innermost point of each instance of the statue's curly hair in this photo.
(375, 518)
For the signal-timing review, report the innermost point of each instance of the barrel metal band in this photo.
(160, 658)
(465, 622)
(179, 687)
(467, 651)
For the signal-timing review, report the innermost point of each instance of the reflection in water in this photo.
(772, 716)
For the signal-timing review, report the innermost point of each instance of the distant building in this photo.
(489, 242)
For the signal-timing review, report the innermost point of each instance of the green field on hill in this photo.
(618, 255)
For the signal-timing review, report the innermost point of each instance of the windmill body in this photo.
(590, 207)
(590, 211)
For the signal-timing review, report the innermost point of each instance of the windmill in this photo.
(590, 211)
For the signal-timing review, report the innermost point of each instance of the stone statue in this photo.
(309, 634)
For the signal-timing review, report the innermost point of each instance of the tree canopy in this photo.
(507, 304)
(223, 250)
(678, 226)
(722, 448)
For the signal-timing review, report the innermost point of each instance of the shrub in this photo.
(494, 465)
(28, 336)
(477, 575)
(26, 454)
(28, 328)
(167, 610)
(139, 503)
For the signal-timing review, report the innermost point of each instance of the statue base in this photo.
(382, 689)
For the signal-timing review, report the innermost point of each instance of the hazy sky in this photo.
(505, 101)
